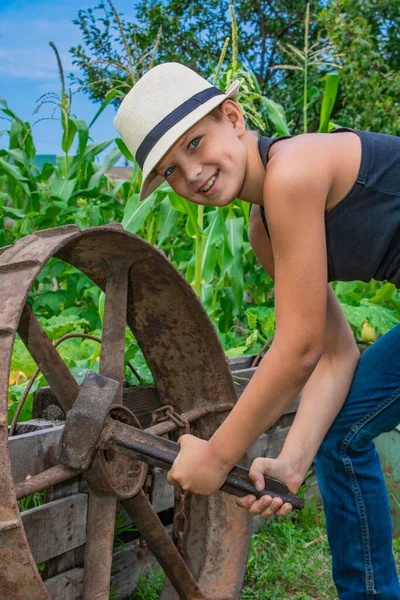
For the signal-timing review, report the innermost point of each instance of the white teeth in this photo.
(209, 183)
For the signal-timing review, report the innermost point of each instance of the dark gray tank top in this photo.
(363, 229)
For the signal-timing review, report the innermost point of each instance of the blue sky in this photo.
(28, 67)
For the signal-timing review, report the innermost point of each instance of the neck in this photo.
(252, 189)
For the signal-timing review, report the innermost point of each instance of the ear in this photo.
(233, 113)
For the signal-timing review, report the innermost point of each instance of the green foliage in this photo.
(32, 501)
(374, 303)
(116, 50)
(363, 33)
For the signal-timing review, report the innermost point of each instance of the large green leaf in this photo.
(47, 171)
(235, 226)
(124, 149)
(14, 213)
(192, 226)
(380, 317)
(214, 234)
(328, 101)
(94, 149)
(109, 96)
(62, 188)
(70, 130)
(108, 163)
(276, 115)
(178, 203)
(83, 135)
(168, 219)
(12, 170)
(209, 261)
(225, 257)
(136, 212)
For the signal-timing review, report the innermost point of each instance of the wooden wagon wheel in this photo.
(180, 345)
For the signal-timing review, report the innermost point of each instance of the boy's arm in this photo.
(297, 228)
(324, 393)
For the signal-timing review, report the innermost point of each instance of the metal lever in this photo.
(160, 452)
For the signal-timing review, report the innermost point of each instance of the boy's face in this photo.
(207, 165)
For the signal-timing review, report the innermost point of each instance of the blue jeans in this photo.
(351, 482)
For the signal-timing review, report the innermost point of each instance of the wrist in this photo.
(220, 459)
(297, 469)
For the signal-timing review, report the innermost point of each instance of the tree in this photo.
(116, 52)
(364, 31)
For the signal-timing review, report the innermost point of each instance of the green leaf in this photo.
(47, 171)
(178, 203)
(12, 170)
(235, 352)
(168, 219)
(102, 303)
(62, 188)
(108, 98)
(380, 317)
(214, 234)
(209, 261)
(94, 149)
(192, 226)
(14, 213)
(385, 293)
(235, 226)
(328, 101)
(68, 135)
(225, 258)
(108, 163)
(135, 212)
(123, 148)
(276, 115)
(83, 135)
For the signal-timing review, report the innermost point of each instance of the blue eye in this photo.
(169, 171)
(195, 143)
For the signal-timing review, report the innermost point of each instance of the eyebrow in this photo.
(182, 142)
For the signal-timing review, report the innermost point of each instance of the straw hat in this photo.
(166, 102)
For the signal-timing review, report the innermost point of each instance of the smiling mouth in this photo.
(209, 184)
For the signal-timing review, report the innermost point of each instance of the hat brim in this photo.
(151, 180)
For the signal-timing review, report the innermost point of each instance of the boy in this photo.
(324, 207)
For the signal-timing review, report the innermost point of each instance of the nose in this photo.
(192, 172)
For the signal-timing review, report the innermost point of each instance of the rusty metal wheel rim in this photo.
(180, 346)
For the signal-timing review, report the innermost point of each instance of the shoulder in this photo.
(299, 157)
(300, 173)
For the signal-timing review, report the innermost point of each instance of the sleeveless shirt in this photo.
(363, 229)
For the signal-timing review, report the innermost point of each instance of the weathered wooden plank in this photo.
(66, 586)
(241, 362)
(27, 451)
(65, 561)
(57, 527)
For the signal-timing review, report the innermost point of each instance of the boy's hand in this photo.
(196, 468)
(267, 506)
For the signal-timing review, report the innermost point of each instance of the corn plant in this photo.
(312, 56)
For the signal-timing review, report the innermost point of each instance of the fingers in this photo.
(265, 507)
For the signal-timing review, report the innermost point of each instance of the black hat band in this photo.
(171, 119)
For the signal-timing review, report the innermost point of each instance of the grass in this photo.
(289, 559)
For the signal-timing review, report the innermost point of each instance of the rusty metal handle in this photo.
(161, 452)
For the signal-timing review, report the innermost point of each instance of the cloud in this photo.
(33, 63)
